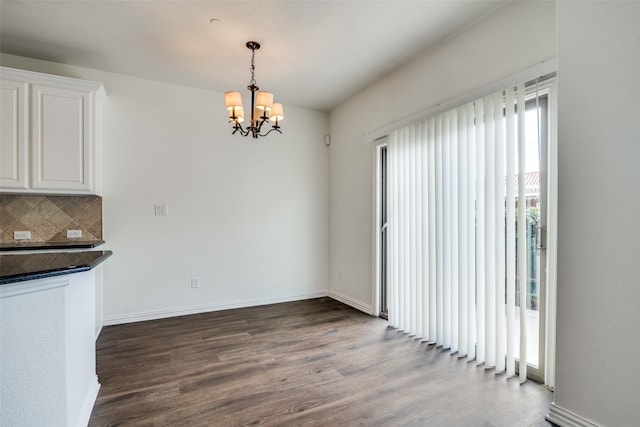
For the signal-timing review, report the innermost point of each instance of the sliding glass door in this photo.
(461, 213)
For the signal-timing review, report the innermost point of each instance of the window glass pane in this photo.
(533, 206)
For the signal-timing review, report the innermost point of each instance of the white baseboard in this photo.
(87, 406)
(351, 301)
(182, 311)
(565, 418)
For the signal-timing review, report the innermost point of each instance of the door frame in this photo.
(381, 145)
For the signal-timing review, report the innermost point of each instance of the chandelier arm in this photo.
(238, 128)
(262, 120)
(277, 129)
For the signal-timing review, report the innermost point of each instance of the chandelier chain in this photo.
(253, 67)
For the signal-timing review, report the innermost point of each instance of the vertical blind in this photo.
(452, 249)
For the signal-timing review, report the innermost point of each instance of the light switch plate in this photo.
(162, 209)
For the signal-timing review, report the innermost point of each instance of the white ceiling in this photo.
(314, 54)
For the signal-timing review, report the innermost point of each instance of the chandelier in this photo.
(263, 109)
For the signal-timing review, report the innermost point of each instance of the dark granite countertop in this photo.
(22, 267)
(32, 246)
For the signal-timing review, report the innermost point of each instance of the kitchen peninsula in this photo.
(47, 337)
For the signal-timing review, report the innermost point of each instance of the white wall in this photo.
(598, 342)
(248, 218)
(510, 40)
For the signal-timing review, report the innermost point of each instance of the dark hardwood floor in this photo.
(316, 362)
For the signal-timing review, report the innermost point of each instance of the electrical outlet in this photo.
(195, 282)
(22, 235)
(74, 234)
(162, 209)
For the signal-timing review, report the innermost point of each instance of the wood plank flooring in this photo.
(313, 363)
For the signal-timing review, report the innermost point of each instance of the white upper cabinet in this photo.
(13, 135)
(50, 134)
(61, 155)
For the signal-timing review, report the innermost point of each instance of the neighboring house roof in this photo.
(531, 183)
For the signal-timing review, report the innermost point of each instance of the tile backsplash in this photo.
(49, 217)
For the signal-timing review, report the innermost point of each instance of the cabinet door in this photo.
(13, 135)
(60, 141)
